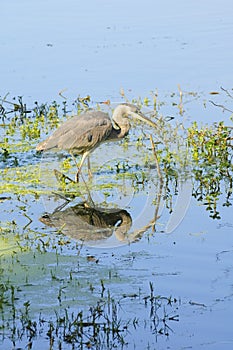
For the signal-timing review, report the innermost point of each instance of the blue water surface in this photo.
(97, 47)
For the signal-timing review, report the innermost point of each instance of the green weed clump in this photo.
(211, 151)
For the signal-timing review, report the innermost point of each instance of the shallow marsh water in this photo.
(164, 276)
(166, 290)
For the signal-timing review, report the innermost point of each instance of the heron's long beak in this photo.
(143, 118)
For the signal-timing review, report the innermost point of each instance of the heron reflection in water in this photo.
(87, 224)
(82, 134)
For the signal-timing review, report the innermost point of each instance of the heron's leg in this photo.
(81, 164)
(89, 168)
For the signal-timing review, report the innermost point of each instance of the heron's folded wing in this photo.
(89, 131)
(79, 133)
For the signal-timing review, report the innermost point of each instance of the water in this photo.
(96, 48)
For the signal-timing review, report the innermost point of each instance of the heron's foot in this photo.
(62, 177)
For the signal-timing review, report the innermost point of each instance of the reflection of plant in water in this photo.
(101, 326)
(159, 322)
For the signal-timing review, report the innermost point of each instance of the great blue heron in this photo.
(82, 133)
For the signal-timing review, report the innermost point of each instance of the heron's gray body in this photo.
(80, 133)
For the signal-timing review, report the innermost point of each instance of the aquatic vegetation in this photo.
(213, 168)
(201, 152)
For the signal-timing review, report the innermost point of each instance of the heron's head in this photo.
(125, 110)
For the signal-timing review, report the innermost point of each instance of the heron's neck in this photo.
(120, 124)
(125, 224)
(118, 133)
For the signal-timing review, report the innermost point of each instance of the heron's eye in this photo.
(45, 216)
